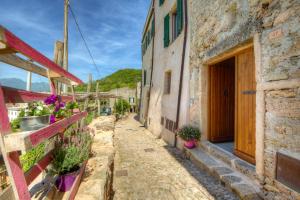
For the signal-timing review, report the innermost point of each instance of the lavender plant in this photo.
(72, 151)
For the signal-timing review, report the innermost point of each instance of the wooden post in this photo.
(98, 99)
(58, 59)
(65, 63)
(11, 159)
(28, 82)
(86, 102)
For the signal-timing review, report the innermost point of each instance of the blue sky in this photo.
(112, 29)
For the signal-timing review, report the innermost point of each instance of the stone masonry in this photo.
(274, 26)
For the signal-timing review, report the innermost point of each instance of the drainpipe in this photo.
(152, 59)
(182, 67)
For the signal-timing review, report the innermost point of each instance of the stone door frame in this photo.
(260, 99)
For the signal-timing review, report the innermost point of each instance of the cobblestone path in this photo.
(147, 169)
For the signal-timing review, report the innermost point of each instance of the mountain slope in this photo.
(20, 84)
(119, 79)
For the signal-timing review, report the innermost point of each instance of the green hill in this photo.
(119, 79)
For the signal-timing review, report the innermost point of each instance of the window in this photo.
(153, 28)
(177, 20)
(145, 77)
(167, 83)
(167, 31)
(131, 99)
(161, 2)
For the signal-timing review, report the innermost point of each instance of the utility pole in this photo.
(65, 64)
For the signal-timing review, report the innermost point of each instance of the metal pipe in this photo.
(182, 67)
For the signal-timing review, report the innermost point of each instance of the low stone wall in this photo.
(97, 180)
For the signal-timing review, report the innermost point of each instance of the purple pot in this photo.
(189, 144)
(65, 182)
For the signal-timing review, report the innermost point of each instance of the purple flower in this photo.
(52, 119)
(51, 99)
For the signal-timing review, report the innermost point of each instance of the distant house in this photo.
(230, 68)
(14, 110)
(131, 95)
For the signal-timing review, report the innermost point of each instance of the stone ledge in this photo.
(233, 161)
(230, 177)
(97, 180)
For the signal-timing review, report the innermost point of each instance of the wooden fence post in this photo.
(86, 102)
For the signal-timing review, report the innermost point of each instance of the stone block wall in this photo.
(217, 27)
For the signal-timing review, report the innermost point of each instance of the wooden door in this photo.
(245, 106)
(222, 96)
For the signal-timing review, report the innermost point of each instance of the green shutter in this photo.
(167, 31)
(161, 2)
(153, 28)
(179, 18)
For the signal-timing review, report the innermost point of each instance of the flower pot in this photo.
(65, 182)
(76, 110)
(34, 122)
(190, 144)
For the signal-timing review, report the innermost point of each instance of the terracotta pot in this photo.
(190, 144)
(76, 110)
(65, 182)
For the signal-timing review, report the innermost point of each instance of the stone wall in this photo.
(219, 26)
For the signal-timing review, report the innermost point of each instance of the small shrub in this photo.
(121, 106)
(31, 157)
(89, 118)
(189, 133)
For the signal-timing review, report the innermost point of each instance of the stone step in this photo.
(230, 159)
(229, 177)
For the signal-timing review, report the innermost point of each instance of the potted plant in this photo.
(34, 117)
(73, 107)
(69, 154)
(190, 135)
(57, 107)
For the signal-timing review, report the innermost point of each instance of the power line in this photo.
(85, 43)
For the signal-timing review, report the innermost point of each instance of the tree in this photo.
(121, 106)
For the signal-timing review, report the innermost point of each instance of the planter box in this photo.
(34, 122)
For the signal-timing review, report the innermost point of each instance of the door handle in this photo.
(249, 92)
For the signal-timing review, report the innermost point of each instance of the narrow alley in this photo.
(146, 168)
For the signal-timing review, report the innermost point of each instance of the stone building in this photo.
(240, 85)
(131, 95)
(163, 60)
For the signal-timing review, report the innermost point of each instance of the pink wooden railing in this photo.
(12, 144)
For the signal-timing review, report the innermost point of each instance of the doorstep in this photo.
(240, 180)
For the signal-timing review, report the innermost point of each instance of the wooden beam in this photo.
(12, 95)
(14, 60)
(76, 184)
(15, 43)
(24, 141)
(12, 162)
(38, 168)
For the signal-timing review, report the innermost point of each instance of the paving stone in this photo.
(202, 160)
(245, 168)
(228, 180)
(162, 174)
(245, 191)
(219, 171)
